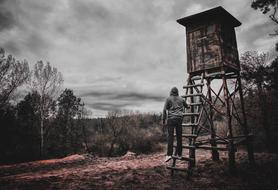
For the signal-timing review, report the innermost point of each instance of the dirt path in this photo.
(139, 172)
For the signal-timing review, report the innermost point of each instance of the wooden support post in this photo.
(229, 124)
(245, 126)
(214, 152)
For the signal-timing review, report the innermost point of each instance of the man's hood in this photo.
(174, 91)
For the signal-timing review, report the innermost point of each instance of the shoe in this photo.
(167, 158)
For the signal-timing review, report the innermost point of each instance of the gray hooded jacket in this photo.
(175, 106)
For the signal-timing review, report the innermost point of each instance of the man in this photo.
(175, 105)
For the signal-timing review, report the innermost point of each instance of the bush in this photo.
(135, 132)
(146, 140)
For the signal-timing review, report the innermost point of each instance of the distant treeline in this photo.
(50, 122)
(39, 119)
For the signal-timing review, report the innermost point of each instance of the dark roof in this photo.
(217, 13)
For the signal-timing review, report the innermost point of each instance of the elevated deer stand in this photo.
(212, 87)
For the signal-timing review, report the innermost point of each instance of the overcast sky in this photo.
(118, 54)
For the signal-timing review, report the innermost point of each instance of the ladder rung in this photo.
(190, 124)
(195, 104)
(183, 158)
(196, 78)
(191, 114)
(189, 135)
(178, 169)
(219, 74)
(193, 85)
(211, 148)
(192, 95)
(189, 147)
(186, 146)
(214, 74)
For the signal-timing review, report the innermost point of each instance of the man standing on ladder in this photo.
(173, 111)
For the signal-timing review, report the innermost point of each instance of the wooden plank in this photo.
(193, 85)
(219, 74)
(213, 75)
(196, 78)
(195, 104)
(190, 124)
(189, 147)
(188, 135)
(186, 146)
(191, 114)
(192, 95)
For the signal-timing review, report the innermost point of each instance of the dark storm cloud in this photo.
(126, 96)
(6, 19)
(37, 43)
(104, 106)
(90, 10)
(118, 54)
(139, 97)
(11, 46)
(25, 23)
(109, 20)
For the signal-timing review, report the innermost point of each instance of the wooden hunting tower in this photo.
(211, 41)
(212, 56)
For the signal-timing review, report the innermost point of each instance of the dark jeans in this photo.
(173, 124)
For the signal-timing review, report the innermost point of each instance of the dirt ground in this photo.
(140, 172)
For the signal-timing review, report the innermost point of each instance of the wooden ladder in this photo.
(190, 122)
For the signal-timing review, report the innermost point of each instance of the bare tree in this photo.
(255, 71)
(116, 127)
(47, 81)
(83, 115)
(13, 74)
(266, 6)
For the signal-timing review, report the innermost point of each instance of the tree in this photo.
(116, 128)
(68, 131)
(69, 108)
(46, 80)
(13, 74)
(255, 71)
(266, 6)
(273, 76)
(8, 133)
(28, 117)
(83, 116)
